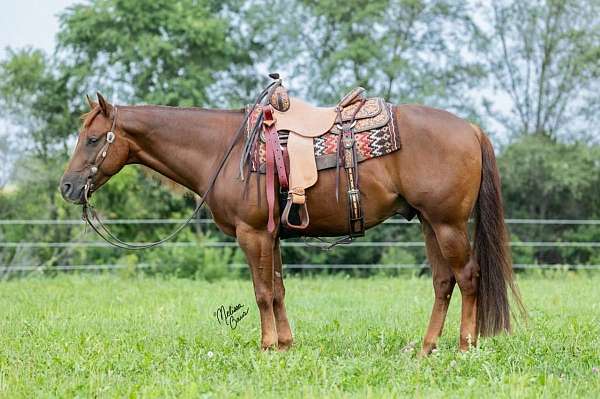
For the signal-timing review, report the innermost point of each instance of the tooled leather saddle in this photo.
(293, 139)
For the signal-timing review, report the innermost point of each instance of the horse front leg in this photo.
(258, 245)
(284, 332)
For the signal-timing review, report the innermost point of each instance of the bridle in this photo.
(100, 157)
(89, 214)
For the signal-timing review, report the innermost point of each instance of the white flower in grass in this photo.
(209, 354)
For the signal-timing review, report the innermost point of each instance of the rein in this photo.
(89, 214)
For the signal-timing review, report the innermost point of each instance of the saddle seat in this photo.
(305, 119)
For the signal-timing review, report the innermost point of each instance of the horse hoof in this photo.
(284, 346)
(427, 350)
(268, 347)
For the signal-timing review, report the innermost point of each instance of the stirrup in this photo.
(304, 219)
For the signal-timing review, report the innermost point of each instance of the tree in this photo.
(208, 52)
(545, 179)
(543, 55)
(34, 98)
(409, 50)
(4, 160)
(160, 52)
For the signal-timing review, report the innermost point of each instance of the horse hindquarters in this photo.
(482, 278)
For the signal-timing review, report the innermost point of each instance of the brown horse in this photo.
(445, 171)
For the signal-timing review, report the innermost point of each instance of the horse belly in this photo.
(329, 215)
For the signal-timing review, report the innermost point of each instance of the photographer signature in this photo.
(231, 315)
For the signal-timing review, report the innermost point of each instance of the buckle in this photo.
(110, 137)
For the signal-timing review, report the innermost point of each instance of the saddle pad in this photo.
(374, 142)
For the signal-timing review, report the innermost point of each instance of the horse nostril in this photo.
(67, 188)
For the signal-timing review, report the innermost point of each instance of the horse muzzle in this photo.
(72, 188)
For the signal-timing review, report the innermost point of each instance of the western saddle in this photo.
(301, 122)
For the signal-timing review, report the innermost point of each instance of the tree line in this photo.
(526, 71)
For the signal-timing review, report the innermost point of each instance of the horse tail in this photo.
(492, 251)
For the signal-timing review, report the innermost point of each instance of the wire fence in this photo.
(303, 266)
(210, 221)
(226, 244)
(288, 266)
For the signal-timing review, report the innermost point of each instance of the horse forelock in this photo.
(89, 117)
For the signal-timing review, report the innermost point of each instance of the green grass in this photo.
(106, 336)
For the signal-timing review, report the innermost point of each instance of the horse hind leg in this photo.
(455, 248)
(443, 285)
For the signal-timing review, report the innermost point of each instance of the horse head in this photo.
(101, 151)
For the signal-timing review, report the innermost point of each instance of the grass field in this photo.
(106, 336)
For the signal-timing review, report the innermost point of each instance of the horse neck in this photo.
(183, 144)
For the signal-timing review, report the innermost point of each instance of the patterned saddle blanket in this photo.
(375, 133)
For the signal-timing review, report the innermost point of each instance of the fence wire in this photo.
(5, 269)
(210, 221)
(227, 244)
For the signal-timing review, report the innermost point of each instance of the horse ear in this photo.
(104, 107)
(89, 102)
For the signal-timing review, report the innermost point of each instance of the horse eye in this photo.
(92, 140)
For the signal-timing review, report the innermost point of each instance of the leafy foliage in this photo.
(34, 98)
(541, 54)
(405, 51)
(563, 178)
(545, 179)
(161, 52)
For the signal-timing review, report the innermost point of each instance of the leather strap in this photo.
(355, 214)
(275, 160)
(101, 155)
(347, 151)
(272, 138)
